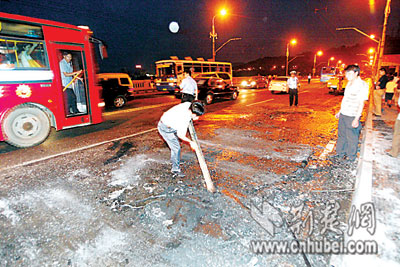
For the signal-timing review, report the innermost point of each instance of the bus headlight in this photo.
(158, 84)
(101, 105)
(171, 84)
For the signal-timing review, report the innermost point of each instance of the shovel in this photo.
(206, 174)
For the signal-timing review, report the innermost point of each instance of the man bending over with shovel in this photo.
(174, 124)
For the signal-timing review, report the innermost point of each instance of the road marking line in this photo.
(260, 102)
(328, 149)
(141, 108)
(303, 92)
(76, 150)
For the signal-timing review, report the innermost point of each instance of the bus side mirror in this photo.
(103, 51)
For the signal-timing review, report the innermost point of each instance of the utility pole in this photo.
(381, 45)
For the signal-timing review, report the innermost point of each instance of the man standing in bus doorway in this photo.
(67, 72)
(349, 125)
(188, 87)
(292, 85)
(379, 91)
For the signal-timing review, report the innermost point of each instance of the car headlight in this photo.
(253, 83)
(244, 83)
(171, 84)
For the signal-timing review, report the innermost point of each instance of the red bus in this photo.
(38, 90)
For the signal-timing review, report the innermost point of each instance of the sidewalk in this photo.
(386, 189)
(378, 181)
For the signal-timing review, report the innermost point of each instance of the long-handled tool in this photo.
(202, 161)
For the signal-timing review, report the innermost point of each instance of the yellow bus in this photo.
(167, 71)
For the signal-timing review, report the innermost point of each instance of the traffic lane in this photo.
(118, 123)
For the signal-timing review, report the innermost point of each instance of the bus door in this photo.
(74, 86)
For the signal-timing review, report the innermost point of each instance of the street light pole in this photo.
(319, 53)
(381, 45)
(293, 42)
(287, 58)
(232, 39)
(213, 35)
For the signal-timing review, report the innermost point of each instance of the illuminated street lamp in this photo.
(319, 53)
(329, 60)
(338, 63)
(371, 51)
(292, 42)
(213, 34)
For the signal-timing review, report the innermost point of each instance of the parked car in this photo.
(254, 82)
(117, 88)
(337, 84)
(278, 84)
(210, 88)
(221, 75)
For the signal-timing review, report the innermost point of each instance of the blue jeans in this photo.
(169, 135)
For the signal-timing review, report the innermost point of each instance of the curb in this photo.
(362, 194)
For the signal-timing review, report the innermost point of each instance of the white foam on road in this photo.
(8, 212)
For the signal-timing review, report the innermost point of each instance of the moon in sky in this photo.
(174, 27)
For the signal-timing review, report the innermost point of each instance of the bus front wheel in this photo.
(26, 126)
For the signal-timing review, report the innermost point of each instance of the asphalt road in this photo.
(103, 195)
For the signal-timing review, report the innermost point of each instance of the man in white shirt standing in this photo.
(173, 126)
(188, 87)
(293, 84)
(349, 126)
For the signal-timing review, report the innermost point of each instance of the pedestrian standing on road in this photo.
(309, 78)
(379, 91)
(394, 152)
(390, 87)
(173, 126)
(188, 87)
(349, 126)
(293, 85)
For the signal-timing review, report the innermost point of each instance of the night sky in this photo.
(136, 32)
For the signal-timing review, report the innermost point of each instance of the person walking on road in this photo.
(351, 108)
(188, 87)
(390, 87)
(379, 91)
(173, 125)
(293, 85)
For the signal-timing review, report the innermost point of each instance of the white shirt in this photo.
(188, 86)
(292, 82)
(354, 96)
(178, 118)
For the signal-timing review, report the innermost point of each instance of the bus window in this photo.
(228, 68)
(187, 66)
(213, 67)
(24, 54)
(179, 68)
(74, 87)
(206, 67)
(197, 68)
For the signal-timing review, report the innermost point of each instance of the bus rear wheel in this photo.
(26, 126)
